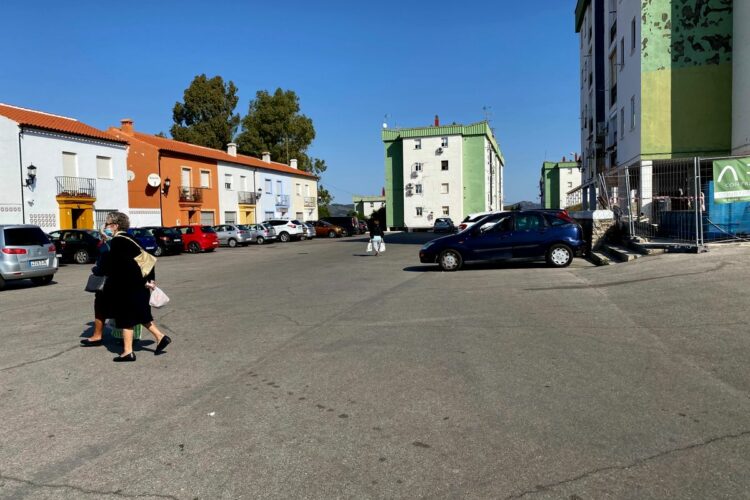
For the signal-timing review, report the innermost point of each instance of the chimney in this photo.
(564, 159)
(293, 163)
(232, 149)
(437, 121)
(266, 156)
(126, 125)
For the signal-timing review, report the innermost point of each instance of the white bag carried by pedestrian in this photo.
(369, 246)
(158, 298)
(382, 246)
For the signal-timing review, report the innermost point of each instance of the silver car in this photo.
(232, 235)
(310, 230)
(261, 233)
(26, 253)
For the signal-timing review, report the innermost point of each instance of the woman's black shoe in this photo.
(90, 343)
(122, 359)
(163, 343)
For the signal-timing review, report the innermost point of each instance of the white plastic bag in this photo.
(369, 246)
(158, 298)
(382, 246)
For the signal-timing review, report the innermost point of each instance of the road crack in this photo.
(117, 493)
(33, 361)
(635, 463)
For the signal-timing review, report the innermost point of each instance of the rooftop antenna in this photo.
(385, 121)
(487, 113)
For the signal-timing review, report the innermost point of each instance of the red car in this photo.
(197, 238)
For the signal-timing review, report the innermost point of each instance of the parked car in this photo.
(145, 239)
(309, 230)
(77, 245)
(197, 238)
(260, 234)
(363, 228)
(168, 240)
(326, 229)
(26, 253)
(443, 225)
(530, 235)
(350, 225)
(287, 229)
(232, 235)
(471, 219)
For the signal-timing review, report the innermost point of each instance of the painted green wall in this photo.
(473, 174)
(686, 80)
(394, 183)
(551, 185)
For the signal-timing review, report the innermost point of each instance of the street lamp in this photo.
(30, 175)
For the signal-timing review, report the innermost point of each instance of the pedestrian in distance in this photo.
(376, 236)
(102, 301)
(129, 288)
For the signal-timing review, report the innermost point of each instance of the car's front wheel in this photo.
(450, 260)
(284, 237)
(194, 247)
(81, 257)
(559, 255)
(42, 280)
(232, 243)
(159, 251)
(331, 234)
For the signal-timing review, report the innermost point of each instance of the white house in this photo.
(57, 172)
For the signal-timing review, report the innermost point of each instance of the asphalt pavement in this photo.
(313, 370)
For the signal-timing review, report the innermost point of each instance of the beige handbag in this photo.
(145, 260)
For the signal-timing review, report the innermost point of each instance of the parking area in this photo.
(314, 370)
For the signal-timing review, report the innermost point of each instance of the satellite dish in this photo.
(131, 175)
(153, 180)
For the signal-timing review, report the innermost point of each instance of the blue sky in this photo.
(350, 62)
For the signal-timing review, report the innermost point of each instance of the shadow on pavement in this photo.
(480, 266)
(396, 238)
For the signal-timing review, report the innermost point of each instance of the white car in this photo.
(471, 219)
(288, 229)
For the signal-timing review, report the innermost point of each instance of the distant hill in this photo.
(340, 210)
(523, 205)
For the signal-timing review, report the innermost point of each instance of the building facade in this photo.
(367, 205)
(57, 172)
(441, 171)
(556, 180)
(656, 84)
(741, 80)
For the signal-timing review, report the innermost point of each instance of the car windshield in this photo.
(207, 229)
(25, 236)
(171, 232)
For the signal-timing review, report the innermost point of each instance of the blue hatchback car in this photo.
(145, 239)
(530, 235)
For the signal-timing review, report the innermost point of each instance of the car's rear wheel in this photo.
(42, 280)
(260, 240)
(302, 237)
(331, 234)
(232, 243)
(194, 247)
(159, 251)
(345, 232)
(284, 237)
(81, 256)
(559, 255)
(450, 260)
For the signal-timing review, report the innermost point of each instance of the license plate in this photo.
(38, 263)
(177, 240)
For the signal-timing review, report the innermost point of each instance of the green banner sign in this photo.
(732, 180)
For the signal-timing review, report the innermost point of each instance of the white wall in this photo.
(10, 173)
(228, 200)
(45, 151)
(570, 176)
(431, 178)
(629, 83)
(140, 217)
(741, 80)
(492, 168)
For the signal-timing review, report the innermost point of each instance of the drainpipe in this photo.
(161, 188)
(20, 165)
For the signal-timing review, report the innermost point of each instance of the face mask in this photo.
(108, 232)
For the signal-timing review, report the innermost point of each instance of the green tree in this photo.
(274, 124)
(207, 118)
(324, 200)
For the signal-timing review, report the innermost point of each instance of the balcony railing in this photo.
(79, 187)
(282, 200)
(191, 194)
(310, 201)
(247, 197)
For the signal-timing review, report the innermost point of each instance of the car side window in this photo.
(504, 225)
(529, 222)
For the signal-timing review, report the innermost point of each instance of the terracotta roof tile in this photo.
(173, 146)
(37, 119)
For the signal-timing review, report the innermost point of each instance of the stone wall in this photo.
(597, 226)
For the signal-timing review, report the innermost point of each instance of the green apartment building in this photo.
(441, 171)
(557, 178)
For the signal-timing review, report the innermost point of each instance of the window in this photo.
(419, 211)
(230, 217)
(446, 210)
(443, 142)
(103, 167)
(279, 189)
(299, 189)
(632, 113)
(228, 181)
(570, 185)
(622, 122)
(444, 188)
(417, 167)
(269, 215)
(417, 143)
(418, 188)
(243, 183)
(632, 36)
(269, 186)
(444, 165)
(70, 164)
(185, 177)
(613, 78)
(372, 204)
(206, 180)
(622, 53)
(307, 189)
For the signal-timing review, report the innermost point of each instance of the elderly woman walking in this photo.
(128, 287)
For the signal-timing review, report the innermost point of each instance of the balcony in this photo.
(310, 202)
(76, 187)
(247, 197)
(282, 200)
(191, 194)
